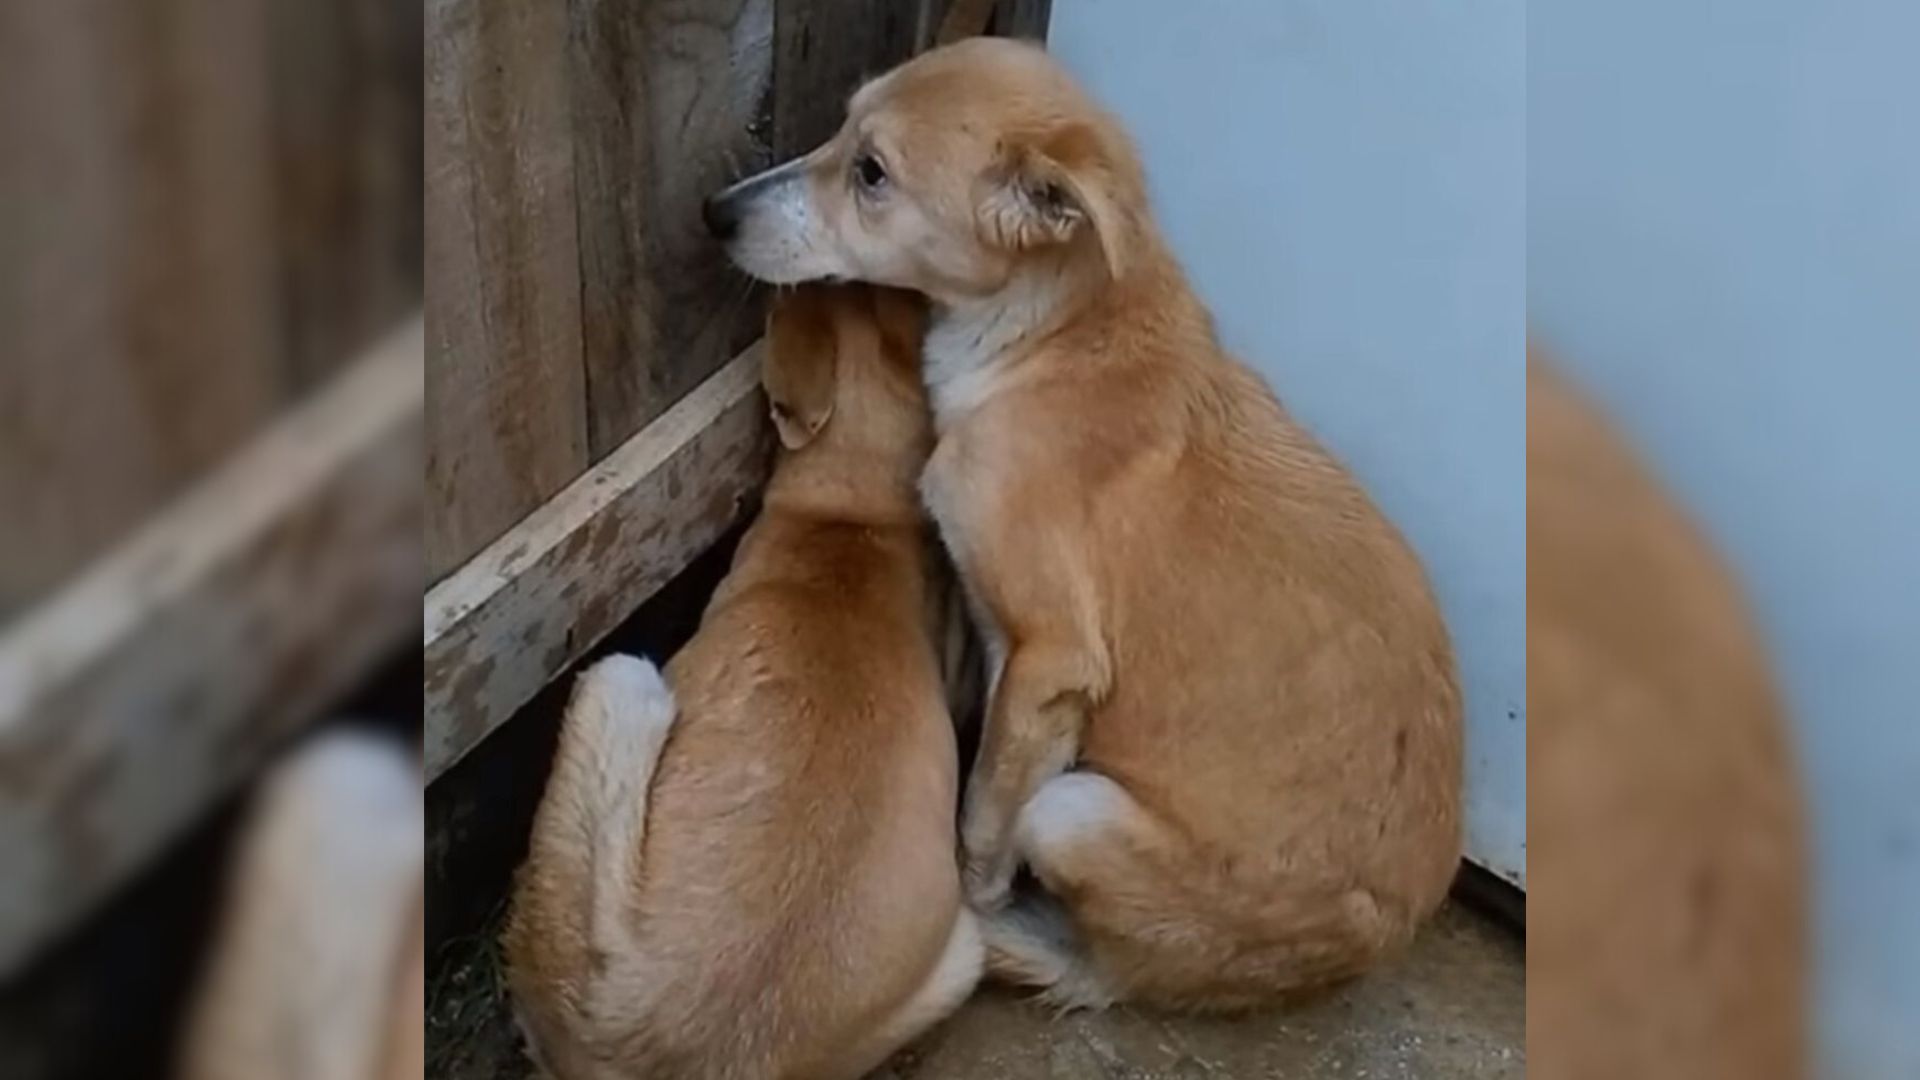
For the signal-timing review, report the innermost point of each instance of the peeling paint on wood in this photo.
(514, 617)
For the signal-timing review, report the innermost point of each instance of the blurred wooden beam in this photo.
(530, 604)
(165, 672)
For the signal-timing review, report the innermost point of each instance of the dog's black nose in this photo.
(720, 217)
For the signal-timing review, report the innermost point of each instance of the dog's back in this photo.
(1287, 698)
(781, 899)
(1277, 608)
(806, 690)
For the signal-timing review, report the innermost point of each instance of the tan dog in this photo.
(1669, 937)
(764, 886)
(1224, 726)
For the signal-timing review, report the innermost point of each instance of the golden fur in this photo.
(778, 897)
(1224, 726)
(1668, 936)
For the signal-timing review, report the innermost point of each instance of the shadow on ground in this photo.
(1452, 1008)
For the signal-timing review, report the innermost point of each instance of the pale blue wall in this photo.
(1725, 245)
(1346, 184)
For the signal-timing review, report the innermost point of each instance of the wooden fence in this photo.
(205, 210)
(593, 424)
(210, 409)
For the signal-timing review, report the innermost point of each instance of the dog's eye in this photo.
(868, 172)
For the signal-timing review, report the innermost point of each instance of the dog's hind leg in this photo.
(1158, 922)
(573, 896)
(1032, 943)
(951, 981)
(594, 814)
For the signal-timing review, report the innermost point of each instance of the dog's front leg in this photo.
(1035, 717)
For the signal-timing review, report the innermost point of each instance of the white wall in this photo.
(1725, 247)
(1346, 185)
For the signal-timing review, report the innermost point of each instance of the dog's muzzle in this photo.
(723, 210)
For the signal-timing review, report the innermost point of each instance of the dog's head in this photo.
(949, 171)
(852, 348)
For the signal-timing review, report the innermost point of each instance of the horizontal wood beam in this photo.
(161, 676)
(535, 600)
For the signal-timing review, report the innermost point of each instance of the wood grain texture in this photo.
(508, 426)
(138, 314)
(824, 50)
(151, 684)
(537, 599)
(667, 98)
(347, 124)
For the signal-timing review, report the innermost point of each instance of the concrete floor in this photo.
(1452, 1008)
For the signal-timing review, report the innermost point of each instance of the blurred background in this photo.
(1723, 249)
(210, 441)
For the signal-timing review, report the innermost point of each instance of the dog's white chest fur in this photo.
(967, 347)
(959, 362)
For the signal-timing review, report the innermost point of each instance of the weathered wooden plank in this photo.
(539, 597)
(667, 99)
(823, 50)
(347, 123)
(138, 326)
(928, 17)
(1022, 18)
(153, 682)
(508, 424)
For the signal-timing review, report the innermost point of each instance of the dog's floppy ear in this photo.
(1044, 191)
(799, 369)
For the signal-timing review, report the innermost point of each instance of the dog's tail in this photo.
(1032, 943)
(584, 862)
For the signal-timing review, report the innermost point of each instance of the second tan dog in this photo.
(1225, 728)
(777, 896)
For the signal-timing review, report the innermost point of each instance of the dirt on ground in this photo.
(1452, 1008)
